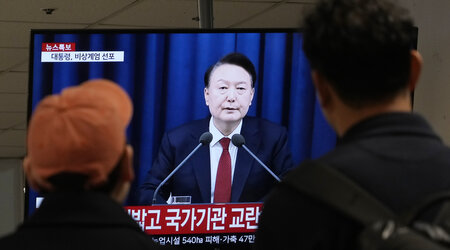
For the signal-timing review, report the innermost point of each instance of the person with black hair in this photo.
(229, 90)
(364, 69)
(79, 161)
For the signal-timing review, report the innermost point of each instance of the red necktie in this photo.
(222, 191)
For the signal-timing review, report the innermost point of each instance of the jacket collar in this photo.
(395, 123)
(81, 209)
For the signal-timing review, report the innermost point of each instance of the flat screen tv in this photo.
(163, 70)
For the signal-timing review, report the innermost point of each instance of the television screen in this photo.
(163, 71)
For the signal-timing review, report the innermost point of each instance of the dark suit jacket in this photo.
(396, 157)
(78, 220)
(251, 182)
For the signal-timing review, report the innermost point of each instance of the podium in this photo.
(199, 224)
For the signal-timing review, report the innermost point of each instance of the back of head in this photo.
(76, 139)
(362, 47)
(237, 59)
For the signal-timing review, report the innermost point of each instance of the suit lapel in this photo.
(201, 164)
(244, 161)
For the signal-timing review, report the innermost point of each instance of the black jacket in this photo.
(79, 220)
(396, 157)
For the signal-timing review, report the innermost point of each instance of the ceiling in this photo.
(18, 17)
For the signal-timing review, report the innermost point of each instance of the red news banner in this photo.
(219, 223)
(58, 47)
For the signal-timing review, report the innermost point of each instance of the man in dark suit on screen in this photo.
(213, 174)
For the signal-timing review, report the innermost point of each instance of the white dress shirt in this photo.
(215, 150)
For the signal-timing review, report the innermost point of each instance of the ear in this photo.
(120, 191)
(206, 93)
(416, 67)
(28, 174)
(127, 165)
(252, 93)
(35, 183)
(322, 89)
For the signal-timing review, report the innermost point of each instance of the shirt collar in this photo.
(217, 135)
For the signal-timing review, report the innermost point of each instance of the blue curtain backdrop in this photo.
(163, 74)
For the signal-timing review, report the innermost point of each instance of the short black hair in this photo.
(237, 59)
(362, 47)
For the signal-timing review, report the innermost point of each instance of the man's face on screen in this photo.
(229, 94)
